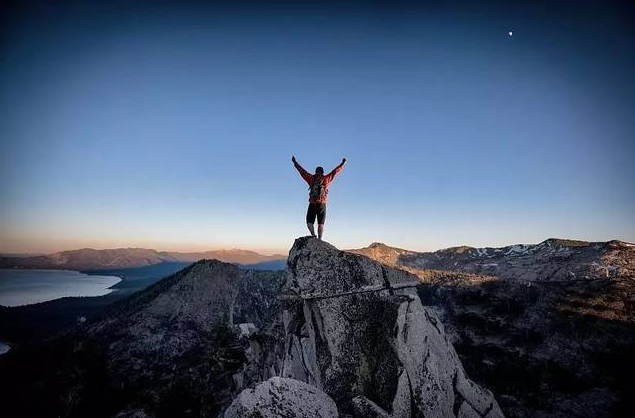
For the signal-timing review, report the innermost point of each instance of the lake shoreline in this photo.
(34, 323)
(24, 287)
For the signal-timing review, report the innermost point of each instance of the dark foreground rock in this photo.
(282, 398)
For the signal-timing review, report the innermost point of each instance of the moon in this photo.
(511, 33)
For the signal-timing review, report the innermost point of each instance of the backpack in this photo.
(317, 191)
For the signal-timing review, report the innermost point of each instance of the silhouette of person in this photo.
(318, 194)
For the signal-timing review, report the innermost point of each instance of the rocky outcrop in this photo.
(357, 330)
(282, 398)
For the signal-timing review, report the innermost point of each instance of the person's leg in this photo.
(310, 218)
(321, 218)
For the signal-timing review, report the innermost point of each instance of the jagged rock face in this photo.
(282, 398)
(316, 269)
(357, 328)
(551, 260)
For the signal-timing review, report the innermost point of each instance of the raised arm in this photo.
(330, 176)
(305, 174)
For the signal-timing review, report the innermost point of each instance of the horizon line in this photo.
(280, 252)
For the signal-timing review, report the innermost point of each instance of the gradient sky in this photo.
(171, 124)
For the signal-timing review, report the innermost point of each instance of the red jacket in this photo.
(327, 179)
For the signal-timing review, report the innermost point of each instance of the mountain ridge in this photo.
(91, 259)
(561, 241)
(553, 259)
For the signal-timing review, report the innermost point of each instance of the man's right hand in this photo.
(344, 160)
(293, 158)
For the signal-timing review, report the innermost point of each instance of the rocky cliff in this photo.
(356, 330)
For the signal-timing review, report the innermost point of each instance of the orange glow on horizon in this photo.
(51, 245)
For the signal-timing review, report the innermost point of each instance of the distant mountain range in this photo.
(92, 259)
(551, 260)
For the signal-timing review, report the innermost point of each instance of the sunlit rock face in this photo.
(282, 398)
(357, 330)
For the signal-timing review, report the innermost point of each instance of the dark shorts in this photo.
(316, 210)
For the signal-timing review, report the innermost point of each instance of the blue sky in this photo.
(172, 126)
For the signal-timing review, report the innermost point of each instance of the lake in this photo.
(25, 287)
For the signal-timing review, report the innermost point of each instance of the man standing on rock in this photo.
(318, 193)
